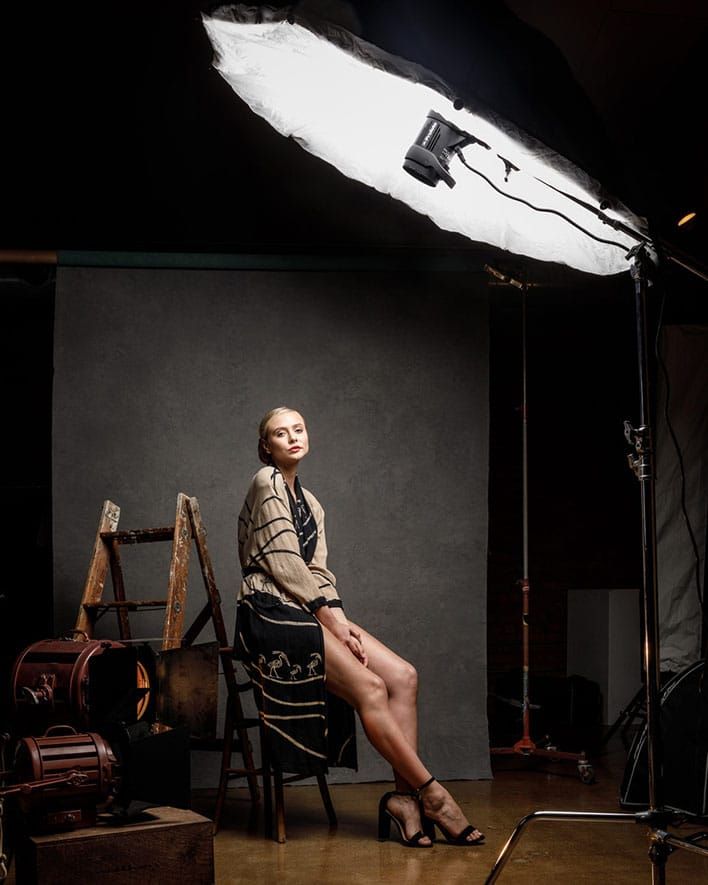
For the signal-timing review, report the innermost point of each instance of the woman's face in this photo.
(286, 439)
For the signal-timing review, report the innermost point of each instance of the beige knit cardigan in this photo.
(269, 551)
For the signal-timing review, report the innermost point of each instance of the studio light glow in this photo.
(361, 110)
(689, 216)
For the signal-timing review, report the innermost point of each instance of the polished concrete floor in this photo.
(548, 853)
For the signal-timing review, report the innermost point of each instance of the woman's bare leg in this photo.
(367, 692)
(401, 681)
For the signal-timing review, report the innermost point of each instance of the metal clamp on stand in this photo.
(639, 439)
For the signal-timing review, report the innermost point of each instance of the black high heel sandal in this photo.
(385, 818)
(429, 824)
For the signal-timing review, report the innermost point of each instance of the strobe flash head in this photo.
(428, 158)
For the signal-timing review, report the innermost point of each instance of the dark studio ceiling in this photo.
(119, 136)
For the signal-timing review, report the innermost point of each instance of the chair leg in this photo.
(273, 795)
(279, 805)
(327, 800)
(225, 763)
(267, 786)
(246, 752)
(272, 776)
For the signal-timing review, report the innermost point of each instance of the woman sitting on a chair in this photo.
(293, 637)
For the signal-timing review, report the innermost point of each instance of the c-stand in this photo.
(657, 817)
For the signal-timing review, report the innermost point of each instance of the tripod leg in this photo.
(588, 816)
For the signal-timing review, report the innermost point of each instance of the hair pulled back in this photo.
(263, 454)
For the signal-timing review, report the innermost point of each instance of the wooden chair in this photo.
(272, 778)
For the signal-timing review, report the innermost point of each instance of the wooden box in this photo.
(166, 845)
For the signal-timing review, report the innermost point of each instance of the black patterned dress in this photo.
(283, 554)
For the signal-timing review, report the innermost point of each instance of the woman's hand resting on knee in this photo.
(334, 620)
(356, 646)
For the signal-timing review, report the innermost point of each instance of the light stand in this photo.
(526, 747)
(657, 817)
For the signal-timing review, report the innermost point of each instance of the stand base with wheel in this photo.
(528, 749)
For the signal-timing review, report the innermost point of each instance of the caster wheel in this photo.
(587, 773)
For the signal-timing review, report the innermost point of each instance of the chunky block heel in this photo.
(384, 819)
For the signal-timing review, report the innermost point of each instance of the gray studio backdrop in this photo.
(161, 378)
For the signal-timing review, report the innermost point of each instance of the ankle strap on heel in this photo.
(423, 786)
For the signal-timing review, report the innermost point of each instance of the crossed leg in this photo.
(384, 695)
(401, 681)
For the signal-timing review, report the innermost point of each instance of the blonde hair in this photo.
(263, 454)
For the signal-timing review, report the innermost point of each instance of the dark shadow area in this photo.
(27, 298)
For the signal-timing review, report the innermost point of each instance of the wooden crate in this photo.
(168, 845)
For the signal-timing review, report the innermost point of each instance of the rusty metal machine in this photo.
(63, 777)
(85, 683)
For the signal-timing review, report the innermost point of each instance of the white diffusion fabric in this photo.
(360, 109)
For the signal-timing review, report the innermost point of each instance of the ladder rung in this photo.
(130, 604)
(140, 536)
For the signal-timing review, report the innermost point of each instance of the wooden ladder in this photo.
(106, 556)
